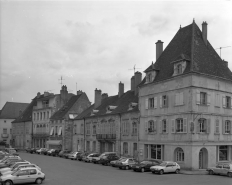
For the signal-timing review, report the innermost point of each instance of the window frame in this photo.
(203, 98)
(228, 102)
(180, 125)
(180, 155)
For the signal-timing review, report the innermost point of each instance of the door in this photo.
(21, 177)
(203, 159)
(168, 168)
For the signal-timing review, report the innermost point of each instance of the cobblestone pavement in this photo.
(61, 171)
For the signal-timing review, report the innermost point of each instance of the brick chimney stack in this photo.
(159, 48)
(97, 98)
(64, 94)
(104, 95)
(138, 79)
(204, 32)
(120, 89)
(38, 95)
(132, 83)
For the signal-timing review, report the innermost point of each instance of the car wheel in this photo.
(229, 174)
(161, 172)
(177, 171)
(127, 167)
(8, 183)
(153, 172)
(39, 181)
(211, 172)
(142, 170)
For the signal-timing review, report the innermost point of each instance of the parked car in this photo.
(13, 166)
(95, 160)
(222, 168)
(9, 162)
(26, 175)
(126, 162)
(166, 167)
(33, 150)
(63, 153)
(50, 151)
(72, 155)
(116, 162)
(82, 156)
(55, 152)
(44, 151)
(89, 157)
(145, 165)
(7, 157)
(105, 160)
(28, 150)
(41, 150)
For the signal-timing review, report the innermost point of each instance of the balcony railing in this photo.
(106, 136)
(5, 135)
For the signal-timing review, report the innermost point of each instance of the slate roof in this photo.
(60, 114)
(122, 104)
(188, 43)
(11, 110)
(27, 113)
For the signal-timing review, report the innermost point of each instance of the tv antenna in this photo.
(222, 48)
(134, 68)
(61, 79)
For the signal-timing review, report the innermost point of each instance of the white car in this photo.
(22, 176)
(21, 167)
(13, 166)
(166, 167)
(89, 157)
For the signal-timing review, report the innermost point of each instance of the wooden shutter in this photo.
(231, 103)
(223, 101)
(155, 102)
(185, 125)
(129, 128)
(177, 99)
(181, 98)
(198, 127)
(198, 97)
(173, 126)
(155, 126)
(208, 99)
(167, 126)
(230, 126)
(161, 126)
(145, 126)
(166, 101)
(208, 126)
(146, 103)
(217, 126)
(161, 103)
(223, 126)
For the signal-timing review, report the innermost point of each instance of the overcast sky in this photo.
(94, 43)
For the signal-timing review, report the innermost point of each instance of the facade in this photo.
(22, 128)
(9, 112)
(185, 103)
(47, 104)
(62, 121)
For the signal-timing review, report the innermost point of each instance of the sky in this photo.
(94, 44)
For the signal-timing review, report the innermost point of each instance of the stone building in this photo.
(185, 103)
(61, 122)
(9, 112)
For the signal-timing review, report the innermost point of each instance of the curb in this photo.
(194, 172)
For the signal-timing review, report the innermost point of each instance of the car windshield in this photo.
(123, 160)
(163, 164)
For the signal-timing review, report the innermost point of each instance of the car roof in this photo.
(30, 168)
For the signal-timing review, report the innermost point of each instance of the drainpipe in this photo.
(84, 134)
(120, 134)
(138, 128)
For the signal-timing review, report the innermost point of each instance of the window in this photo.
(56, 130)
(179, 125)
(217, 126)
(82, 129)
(151, 102)
(227, 127)
(74, 129)
(134, 128)
(151, 126)
(179, 69)
(22, 173)
(179, 155)
(223, 153)
(37, 116)
(125, 148)
(4, 121)
(202, 125)
(94, 130)
(163, 101)
(88, 128)
(179, 98)
(203, 98)
(228, 102)
(156, 151)
(32, 172)
(164, 126)
(47, 115)
(5, 131)
(44, 116)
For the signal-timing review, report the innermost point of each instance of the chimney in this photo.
(97, 98)
(38, 95)
(132, 83)
(104, 95)
(225, 63)
(64, 94)
(120, 89)
(79, 92)
(138, 79)
(204, 32)
(159, 48)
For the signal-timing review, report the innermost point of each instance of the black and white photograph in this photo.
(113, 92)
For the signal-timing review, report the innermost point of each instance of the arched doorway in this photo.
(203, 158)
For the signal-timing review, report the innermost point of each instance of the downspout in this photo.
(138, 128)
(120, 134)
(84, 134)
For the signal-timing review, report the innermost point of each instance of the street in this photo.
(61, 171)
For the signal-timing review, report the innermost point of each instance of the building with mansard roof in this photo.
(186, 103)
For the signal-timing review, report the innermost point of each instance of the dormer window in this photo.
(94, 111)
(150, 76)
(132, 105)
(110, 108)
(179, 68)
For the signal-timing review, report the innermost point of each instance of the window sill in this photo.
(226, 133)
(180, 133)
(203, 105)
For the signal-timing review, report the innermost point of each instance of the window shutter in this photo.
(146, 103)
(231, 103)
(161, 126)
(208, 126)
(145, 127)
(230, 126)
(155, 102)
(217, 100)
(161, 103)
(198, 97)
(198, 127)
(223, 126)
(129, 128)
(217, 126)
(185, 125)
(177, 99)
(208, 99)
(223, 101)
(166, 101)
(181, 97)
(173, 126)
(155, 126)
(167, 126)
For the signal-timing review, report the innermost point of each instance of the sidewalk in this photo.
(194, 172)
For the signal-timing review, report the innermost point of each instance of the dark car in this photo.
(33, 150)
(107, 159)
(28, 150)
(50, 151)
(63, 152)
(55, 152)
(45, 151)
(82, 155)
(66, 154)
(145, 165)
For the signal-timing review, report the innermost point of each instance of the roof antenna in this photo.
(61, 81)
(134, 68)
(222, 48)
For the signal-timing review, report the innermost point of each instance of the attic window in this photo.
(179, 67)
(94, 111)
(150, 76)
(110, 108)
(132, 105)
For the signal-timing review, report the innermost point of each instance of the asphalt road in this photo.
(61, 171)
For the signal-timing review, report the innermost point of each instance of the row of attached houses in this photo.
(180, 111)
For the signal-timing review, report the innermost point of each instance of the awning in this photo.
(60, 131)
(51, 131)
(54, 142)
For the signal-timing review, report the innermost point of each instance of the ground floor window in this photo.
(125, 148)
(94, 146)
(179, 155)
(156, 151)
(223, 153)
